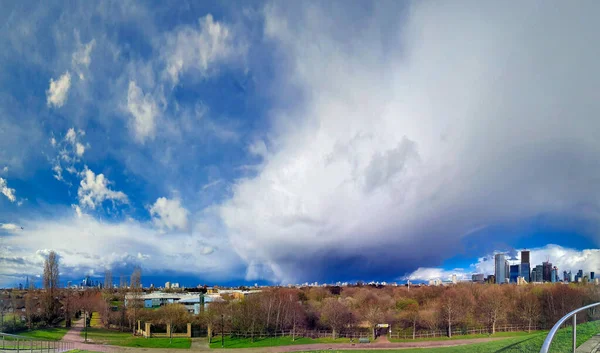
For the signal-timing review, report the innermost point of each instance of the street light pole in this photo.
(222, 330)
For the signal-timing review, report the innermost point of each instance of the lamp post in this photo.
(85, 324)
(222, 330)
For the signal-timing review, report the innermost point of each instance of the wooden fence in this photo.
(457, 332)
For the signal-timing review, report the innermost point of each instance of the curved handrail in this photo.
(550, 337)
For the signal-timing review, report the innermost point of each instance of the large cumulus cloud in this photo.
(400, 132)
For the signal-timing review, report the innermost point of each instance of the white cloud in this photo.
(413, 132)
(79, 149)
(93, 190)
(81, 58)
(200, 49)
(78, 211)
(565, 259)
(6, 191)
(169, 214)
(144, 110)
(70, 153)
(9, 227)
(86, 245)
(59, 90)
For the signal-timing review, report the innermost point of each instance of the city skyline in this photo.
(291, 142)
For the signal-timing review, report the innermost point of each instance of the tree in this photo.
(88, 303)
(454, 306)
(135, 302)
(50, 285)
(409, 311)
(172, 315)
(529, 307)
(68, 304)
(492, 306)
(29, 308)
(335, 314)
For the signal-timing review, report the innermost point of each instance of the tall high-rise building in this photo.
(592, 275)
(500, 268)
(571, 277)
(539, 274)
(566, 276)
(506, 271)
(167, 285)
(515, 272)
(547, 271)
(525, 266)
(554, 275)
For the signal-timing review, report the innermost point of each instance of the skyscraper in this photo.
(500, 268)
(547, 271)
(525, 266)
(539, 274)
(554, 275)
(592, 275)
(514, 273)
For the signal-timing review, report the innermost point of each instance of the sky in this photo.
(289, 142)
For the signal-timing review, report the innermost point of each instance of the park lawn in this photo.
(96, 320)
(464, 337)
(524, 344)
(126, 339)
(271, 341)
(50, 333)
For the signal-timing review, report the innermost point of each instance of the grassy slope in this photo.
(271, 341)
(462, 337)
(52, 333)
(125, 339)
(526, 344)
(96, 320)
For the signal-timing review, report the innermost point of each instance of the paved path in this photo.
(74, 337)
(590, 346)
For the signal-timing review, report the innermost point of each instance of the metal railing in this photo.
(15, 343)
(573, 314)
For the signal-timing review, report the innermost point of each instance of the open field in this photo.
(524, 344)
(95, 320)
(125, 339)
(462, 337)
(51, 333)
(271, 341)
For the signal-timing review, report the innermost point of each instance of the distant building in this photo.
(566, 276)
(168, 285)
(592, 275)
(579, 276)
(539, 274)
(547, 271)
(554, 275)
(525, 257)
(571, 277)
(515, 271)
(478, 277)
(454, 279)
(491, 279)
(500, 268)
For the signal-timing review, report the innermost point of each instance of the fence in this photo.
(297, 333)
(457, 332)
(14, 343)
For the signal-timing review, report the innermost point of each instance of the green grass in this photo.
(271, 341)
(51, 333)
(95, 320)
(462, 337)
(126, 339)
(80, 351)
(525, 344)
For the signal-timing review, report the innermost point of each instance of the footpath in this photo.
(590, 346)
(74, 336)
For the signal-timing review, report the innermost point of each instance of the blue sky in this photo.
(271, 142)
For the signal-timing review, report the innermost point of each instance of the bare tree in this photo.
(50, 281)
(409, 311)
(135, 297)
(529, 308)
(492, 306)
(29, 308)
(454, 306)
(69, 305)
(335, 314)
(173, 315)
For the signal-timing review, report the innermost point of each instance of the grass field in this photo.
(270, 341)
(51, 333)
(462, 337)
(524, 344)
(95, 321)
(126, 339)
